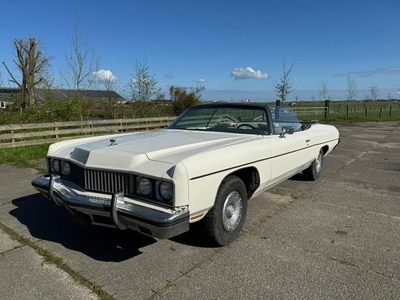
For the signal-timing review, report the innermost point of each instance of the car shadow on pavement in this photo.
(298, 177)
(194, 237)
(48, 222)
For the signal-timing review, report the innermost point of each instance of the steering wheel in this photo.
(245, 126)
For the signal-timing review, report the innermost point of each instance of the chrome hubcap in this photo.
(318, 163)
(232, 211)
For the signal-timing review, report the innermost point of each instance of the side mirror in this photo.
(288, 129)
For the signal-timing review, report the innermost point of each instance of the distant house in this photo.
(8, 96)
(4, 104)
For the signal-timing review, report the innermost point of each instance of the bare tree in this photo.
(374, 92)
(106, 79)
(143, 85)
(143, 88)
(351, 88)
(80, 62)
(284, 86)
(32, 64)
(79, 66)
(323, 90)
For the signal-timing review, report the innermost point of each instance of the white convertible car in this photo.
(203, 168)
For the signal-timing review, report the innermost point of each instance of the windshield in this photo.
(284, 117)
(240, 119)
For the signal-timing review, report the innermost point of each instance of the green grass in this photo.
(24, 157)
(349, 111)
(342, 261)
(360, 116)
(375, 111)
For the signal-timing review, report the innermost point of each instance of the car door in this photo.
(290, 146)
(290, 154)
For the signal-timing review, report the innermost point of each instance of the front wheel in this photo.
(314, 171)
(225, 220)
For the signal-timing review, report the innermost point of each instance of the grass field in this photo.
(25, 157)
(351, 111)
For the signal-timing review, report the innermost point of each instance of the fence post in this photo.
(366, 112)
(390, 111)
(380, 112)
(55, 130)
(347, 108)
(327, 102)
(12, 137)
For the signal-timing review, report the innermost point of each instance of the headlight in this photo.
(55, 166)
(144, 186)
(165, 190)
(65, 168)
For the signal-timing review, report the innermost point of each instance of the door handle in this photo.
(308, 140)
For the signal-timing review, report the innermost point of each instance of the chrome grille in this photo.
(107, 182)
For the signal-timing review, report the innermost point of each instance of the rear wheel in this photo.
(314, 171)
(225, 220)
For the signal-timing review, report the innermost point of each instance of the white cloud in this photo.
(367, 73)
(248, 73)
(201, 80)
(168, 76)
(104, 76)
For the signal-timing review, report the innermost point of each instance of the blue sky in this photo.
(234, 48)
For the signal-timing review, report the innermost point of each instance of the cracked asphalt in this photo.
(336, 238)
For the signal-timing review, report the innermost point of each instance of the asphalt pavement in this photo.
(336, 238)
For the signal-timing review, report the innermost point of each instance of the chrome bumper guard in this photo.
(124, 215)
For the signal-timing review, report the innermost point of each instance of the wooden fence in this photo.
(311, 113)
(43, 133)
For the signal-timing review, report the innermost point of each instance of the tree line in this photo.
(284, 86)
(80, 72)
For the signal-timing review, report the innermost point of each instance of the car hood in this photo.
(167, 146)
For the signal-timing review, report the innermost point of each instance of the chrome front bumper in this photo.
(123, 215)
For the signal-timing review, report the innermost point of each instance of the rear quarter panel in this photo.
(323, 135)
